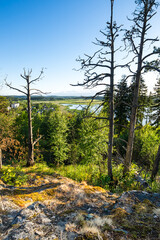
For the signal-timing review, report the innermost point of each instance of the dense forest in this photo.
(74, 140)
(116, 145)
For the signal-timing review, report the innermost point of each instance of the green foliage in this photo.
(125, 183)
(11, 149)
(156, 104)
(88, 139)
(90, 173)
(93, 140)
(155, 186)
(40, 168)
(123, 103)
(147, 139)
(122, 109)
(54, 129)
(21, 127)
(142, 100)
(4, 103)
(120, 142)
(146, 146)
(69, 138)
(14, 176)
(149, 109)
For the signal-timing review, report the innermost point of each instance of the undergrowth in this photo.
(92, 175)
(14, 176)
(18, 176)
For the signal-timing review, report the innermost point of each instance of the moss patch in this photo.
(92, 189)
(143, 207)
(138, 230)
(87, 236)
(118, 214)
(23, 198)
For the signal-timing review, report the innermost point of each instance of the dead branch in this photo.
(37, 139)
(9, 85)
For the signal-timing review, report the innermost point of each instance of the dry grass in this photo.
(156, 211)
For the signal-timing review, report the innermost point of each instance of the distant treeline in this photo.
(49, 98)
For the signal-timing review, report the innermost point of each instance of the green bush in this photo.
(14, 176)
(145, 146)
(54, 143)
(91, 174)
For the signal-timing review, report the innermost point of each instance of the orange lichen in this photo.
(20, 202)
(51, 191)
(23, 197)
(92, 189)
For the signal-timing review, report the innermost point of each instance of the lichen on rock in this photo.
(60, 208)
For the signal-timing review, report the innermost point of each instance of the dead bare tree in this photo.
(99, 67)
(29, 92)
(135, 41)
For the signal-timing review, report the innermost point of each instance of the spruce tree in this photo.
(142, 100)
(156, 104)
(122, 108)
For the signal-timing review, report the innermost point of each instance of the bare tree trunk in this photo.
(104, 60)
(110, 145)
(156, 165)
(129, 151)
(30, 161)
(27, 92)
(0, 158)
(111, 101)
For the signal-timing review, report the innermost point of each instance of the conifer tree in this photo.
(122, 107)
(136, 40)
(156, 104)
(142, 100)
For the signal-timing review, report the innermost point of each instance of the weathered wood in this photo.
(30, 161)
(143, 17)
(111, 100)
(27, 77)
(142, 181)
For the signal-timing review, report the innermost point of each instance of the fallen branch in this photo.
(142, 181)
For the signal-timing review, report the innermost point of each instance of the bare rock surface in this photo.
(60, 208)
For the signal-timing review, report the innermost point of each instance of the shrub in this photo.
(145, 146)
(14, 176)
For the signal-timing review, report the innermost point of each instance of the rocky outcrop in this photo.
(60, 208)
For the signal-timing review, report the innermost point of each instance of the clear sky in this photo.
(51, 34)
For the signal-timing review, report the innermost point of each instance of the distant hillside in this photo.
(49, 98)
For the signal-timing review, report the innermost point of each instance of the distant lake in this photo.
(93, 108)
(80, 106)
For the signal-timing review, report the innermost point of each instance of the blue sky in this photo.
(51, 34)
